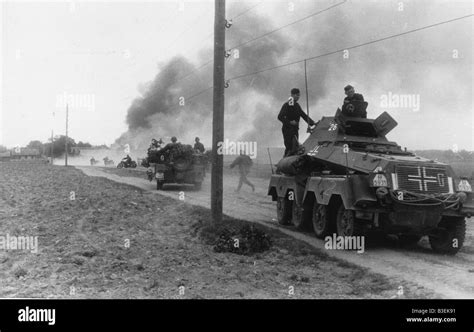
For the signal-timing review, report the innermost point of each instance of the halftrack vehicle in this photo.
(179, 164)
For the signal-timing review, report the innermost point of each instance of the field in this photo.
(101, 239)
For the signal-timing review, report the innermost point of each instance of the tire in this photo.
(283, 210)
(159, 185)
(346, 223)
(120, 165)
(133, 164)
(300, 216)
(408, 240)
(321, 219)
(453, 232)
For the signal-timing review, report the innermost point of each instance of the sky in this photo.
(101, 56)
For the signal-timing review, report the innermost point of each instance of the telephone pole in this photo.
(52, 142)
(218, 111)
(67, 116)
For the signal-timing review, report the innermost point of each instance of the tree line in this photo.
(58, 146)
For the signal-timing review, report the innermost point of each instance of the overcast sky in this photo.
(102, 54)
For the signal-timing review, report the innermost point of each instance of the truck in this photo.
(351, 180)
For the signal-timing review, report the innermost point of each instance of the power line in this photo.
(189, 28)
(246, 11)
(209, 36)
(194, 70)
(261, 36)
(289, 24)
(352, 47)
(199, 93)
(256, 38)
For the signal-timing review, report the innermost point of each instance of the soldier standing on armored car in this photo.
(290, 115)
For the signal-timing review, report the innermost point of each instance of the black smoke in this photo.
(416, 63)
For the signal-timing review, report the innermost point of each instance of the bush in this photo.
(247, 241)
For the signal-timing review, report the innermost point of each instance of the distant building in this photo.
(25, 154)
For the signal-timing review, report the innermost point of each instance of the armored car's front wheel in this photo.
(283, 210)
(322, 223)
(451, 236)
(346, 222)
(301, 216)
(159, 185)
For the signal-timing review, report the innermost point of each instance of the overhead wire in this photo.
(352, 47)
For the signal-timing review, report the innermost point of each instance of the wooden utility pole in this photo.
(67, 118)
(52, 142)
(218, 111)
(307, 96)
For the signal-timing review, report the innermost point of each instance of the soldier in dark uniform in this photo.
(244, 162)
(198, 145)
(352, 105)
(169, 146)
(290, 115)
(127, 160)
(155, 145)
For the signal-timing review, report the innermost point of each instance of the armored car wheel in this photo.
(283, 210)
(301, 216)
(451, 237)
(159, 185)
(346, 223)
(322, 224)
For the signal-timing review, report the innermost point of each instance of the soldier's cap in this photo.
(348, 87)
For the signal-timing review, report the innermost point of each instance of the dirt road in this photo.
(97, 238)
(451, 277)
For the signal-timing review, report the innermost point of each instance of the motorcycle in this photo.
(108, 162)
(127, 164)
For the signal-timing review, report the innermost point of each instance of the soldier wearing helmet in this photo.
(198, 145)
(353, 103)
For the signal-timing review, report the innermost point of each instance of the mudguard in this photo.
(468, 206)
(279, 185)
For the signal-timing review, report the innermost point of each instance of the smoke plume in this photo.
(419, 63)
